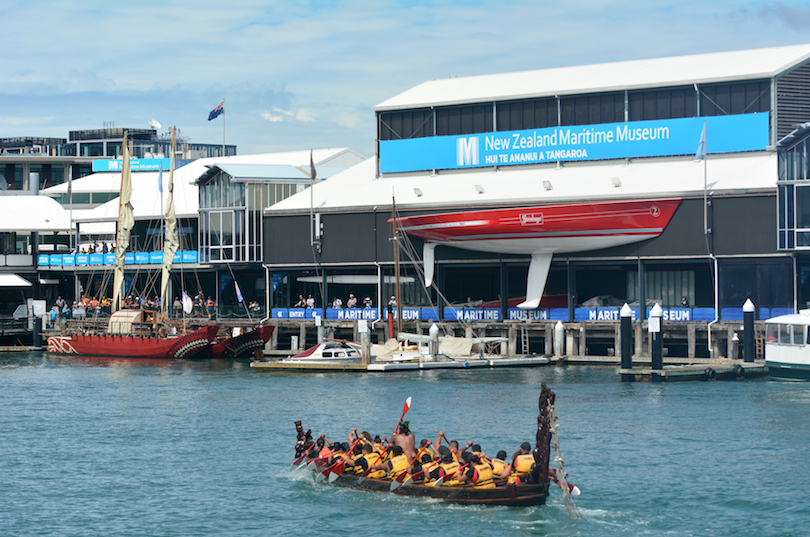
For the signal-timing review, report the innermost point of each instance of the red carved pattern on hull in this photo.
(184, 346)
(242, 346)
(587, 219)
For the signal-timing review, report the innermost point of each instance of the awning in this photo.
(12, 280)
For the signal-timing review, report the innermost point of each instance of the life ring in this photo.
(163, 331)
(739, 372)
(709, 374)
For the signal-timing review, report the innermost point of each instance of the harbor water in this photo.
(92, 447)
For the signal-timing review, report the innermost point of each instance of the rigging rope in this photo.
(570, 505)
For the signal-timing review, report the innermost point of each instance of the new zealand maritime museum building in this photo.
(563, 193)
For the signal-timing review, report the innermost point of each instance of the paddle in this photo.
(404, 411)
(396, 483)
(297, 461)
(336, 470)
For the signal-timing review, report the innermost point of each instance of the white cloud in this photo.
(276, 115)
(306, 115)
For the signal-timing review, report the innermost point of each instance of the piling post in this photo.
(319, 325)
(657, 338)
(748, 331)
(302, 336)
(433, 332)
(512, 340)
(549, 339)
(559, 341)
(361, 327)
(626, 340)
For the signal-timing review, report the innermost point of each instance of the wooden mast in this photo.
(396, 265)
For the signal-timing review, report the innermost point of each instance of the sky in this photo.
(301, 75)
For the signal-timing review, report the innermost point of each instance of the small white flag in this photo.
(188, 305)
(160, 179)
(701, 150)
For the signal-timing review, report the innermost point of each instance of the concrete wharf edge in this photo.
(723, 370)
(406, 366)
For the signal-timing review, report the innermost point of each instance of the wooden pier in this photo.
(725, 370)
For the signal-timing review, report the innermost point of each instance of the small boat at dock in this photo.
(787, 353)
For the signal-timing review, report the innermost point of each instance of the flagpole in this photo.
(223, 127)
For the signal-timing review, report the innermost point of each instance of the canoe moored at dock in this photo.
(134, 346)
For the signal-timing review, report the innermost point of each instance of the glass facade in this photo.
(742, 97)
(793, 198)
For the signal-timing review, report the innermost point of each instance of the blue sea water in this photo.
(128, 448)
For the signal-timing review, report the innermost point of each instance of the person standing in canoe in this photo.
(406, 440)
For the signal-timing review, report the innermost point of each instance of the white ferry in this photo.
(787, 349)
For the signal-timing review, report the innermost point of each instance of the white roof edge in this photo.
(658, 72)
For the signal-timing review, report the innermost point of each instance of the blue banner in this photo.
(472, 314)
(724, 134)
(135, 165)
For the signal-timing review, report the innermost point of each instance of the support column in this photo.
(512, 340)
(325, 293)
(504, 277)
(691, 340)
(549, 339)
(572, 291)
(642, 291)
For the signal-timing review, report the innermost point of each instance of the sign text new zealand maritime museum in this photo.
(725, 134)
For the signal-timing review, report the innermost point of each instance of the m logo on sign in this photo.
(467, 151)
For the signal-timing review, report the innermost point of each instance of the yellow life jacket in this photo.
(484, 477)
(523, 464)
(370, 459)
(497, 467)
(449, 469)
(398, 465)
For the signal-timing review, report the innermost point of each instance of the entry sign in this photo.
(654, 324)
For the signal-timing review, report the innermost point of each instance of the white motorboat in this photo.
(787, 353)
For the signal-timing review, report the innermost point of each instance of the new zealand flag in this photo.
(217, 111)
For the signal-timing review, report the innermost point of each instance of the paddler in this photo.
(362, 462)
(522, 462)
(453, 446)
(392, 467)
(478, 472)
(406, 440)
(499, 465)
(447, 467)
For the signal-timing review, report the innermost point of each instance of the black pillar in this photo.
(325, 293)
(626, 335)
(748, 329)
(642, 291)
(504, 291)
(572, 291)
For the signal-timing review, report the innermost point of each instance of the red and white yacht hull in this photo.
(541, 231)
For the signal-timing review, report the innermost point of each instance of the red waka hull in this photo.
(184, 346)
(242, 346)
